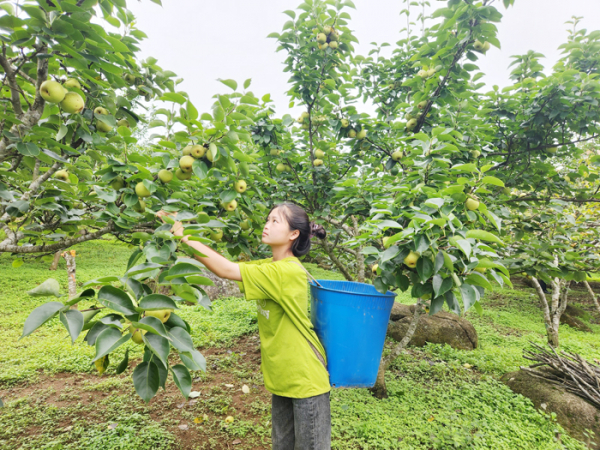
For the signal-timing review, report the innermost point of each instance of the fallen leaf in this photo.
(112, 426)
(245, 389)
(181, 405)
(192, 402)
(467, 365)
(229, 385)
(69, 428)
(194, 394)
(236, 442)
(182, 427)
(431, 419)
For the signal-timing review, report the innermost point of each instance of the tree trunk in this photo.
(553, 311)
(360, 264)
(379, 389)
(56, 260)
(589, 288)
(71, 268)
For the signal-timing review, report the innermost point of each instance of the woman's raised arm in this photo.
(215, 262)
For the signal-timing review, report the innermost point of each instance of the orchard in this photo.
(429, 183)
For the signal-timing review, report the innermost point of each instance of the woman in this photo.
(293, 361)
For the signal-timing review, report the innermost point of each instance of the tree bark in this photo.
(71, 268)
(554, 311)
(56, 260)
(379, 389)
(594, 298)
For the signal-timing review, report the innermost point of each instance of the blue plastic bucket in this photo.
(351, 321)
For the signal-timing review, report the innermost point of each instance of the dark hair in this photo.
(297, 219)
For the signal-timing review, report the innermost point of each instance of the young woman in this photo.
(293, 361)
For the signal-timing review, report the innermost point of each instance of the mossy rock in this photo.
(441, 328)
(573, 413)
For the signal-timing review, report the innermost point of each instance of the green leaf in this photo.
(151, 324)
(192, 111)
(46, 289)
(181, 340)
(492, 180)
(72, 319)
(123, 364)
(484, 236)
(197, 279)
(116, 299)
(441, 285)
(39, 316)
(247, 83)
(141, 268)
(29, 149)
(159, 346)
(464, 246)
(478, 279)
(424, 268)
(182, 269)
(146, 380)
(469, 295)
(229, 83)
(390, 253)
(155, 302)
(109, 340)
(173, 97)
(193, 360)
(182, 379)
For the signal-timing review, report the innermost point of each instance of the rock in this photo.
(441, 328)
(574, 322)
(222, 288)
(573, 413)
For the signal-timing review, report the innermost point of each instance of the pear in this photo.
(230, 206)
(165, 175)
(123, 123)
(321, 38)
(352, 133)
(422, 73)
(344, 123)
(137, 334)
(72, 83)
(240, 186)
(397, 155)
(551, 150)
(62, 175)
(117, 184)
(411, 259)
(422, 104)
(198, 151)
(323, 47)
(103, 126)
(100, 110)
(327, 29)
(472, 204)
(374, 269)
(52, 91)
(185, 163)
(280, 167)
(274, 152)
(411, 124)
(304, 115)
(318, 162)
(72, 103)
(245, 224)
(361, 134)
(187, 150)
(385, 241)
(129, 78)
(181, 175)
(333, 45)
(478, 46)
(334, 36)
(430, 73)
(161, 314)
(481, 269)
(486, 46)
(140, 206)
(141, 190)
(475, 153)
(319, 153)
(217, 235)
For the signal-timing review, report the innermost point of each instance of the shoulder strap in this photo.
(308, 273)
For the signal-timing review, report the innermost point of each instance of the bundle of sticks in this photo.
(570, 371)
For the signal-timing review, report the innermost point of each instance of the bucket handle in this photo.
(308, 273)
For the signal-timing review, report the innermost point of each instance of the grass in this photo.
(435, 401)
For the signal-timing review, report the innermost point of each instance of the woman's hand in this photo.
(177, 228)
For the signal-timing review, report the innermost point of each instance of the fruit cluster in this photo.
(328, 37)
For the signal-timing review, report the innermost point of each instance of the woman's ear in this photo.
(295, 234)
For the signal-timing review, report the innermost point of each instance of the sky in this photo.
(202, 41)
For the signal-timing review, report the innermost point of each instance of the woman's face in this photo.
(276, 231)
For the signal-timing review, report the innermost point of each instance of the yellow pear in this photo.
(397, 155)
(217, 235)
(181, 175)
(62, 175)
(411, 259)
(319, 153)
(161, 314)
(72, 83)
(240, 186)
(472, 204)
(230, 206)
(123, 123)
(352, 133)
(137, 334)
(165, 175)
(197, 151)
(72, 103)
(361, 134)
(280, 167)
(185, 163)
(374, 269)
(344, 123)
(52, 91)
(100, 110)
(141, 190)
(103, 126)
(140, 206)
(318, 162)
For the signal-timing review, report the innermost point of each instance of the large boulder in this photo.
(573, 413)
(441, 328)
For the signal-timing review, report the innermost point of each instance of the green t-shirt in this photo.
(290, 367)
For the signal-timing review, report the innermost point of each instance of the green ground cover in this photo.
(440, 398)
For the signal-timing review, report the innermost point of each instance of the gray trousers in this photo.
(301, 423)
